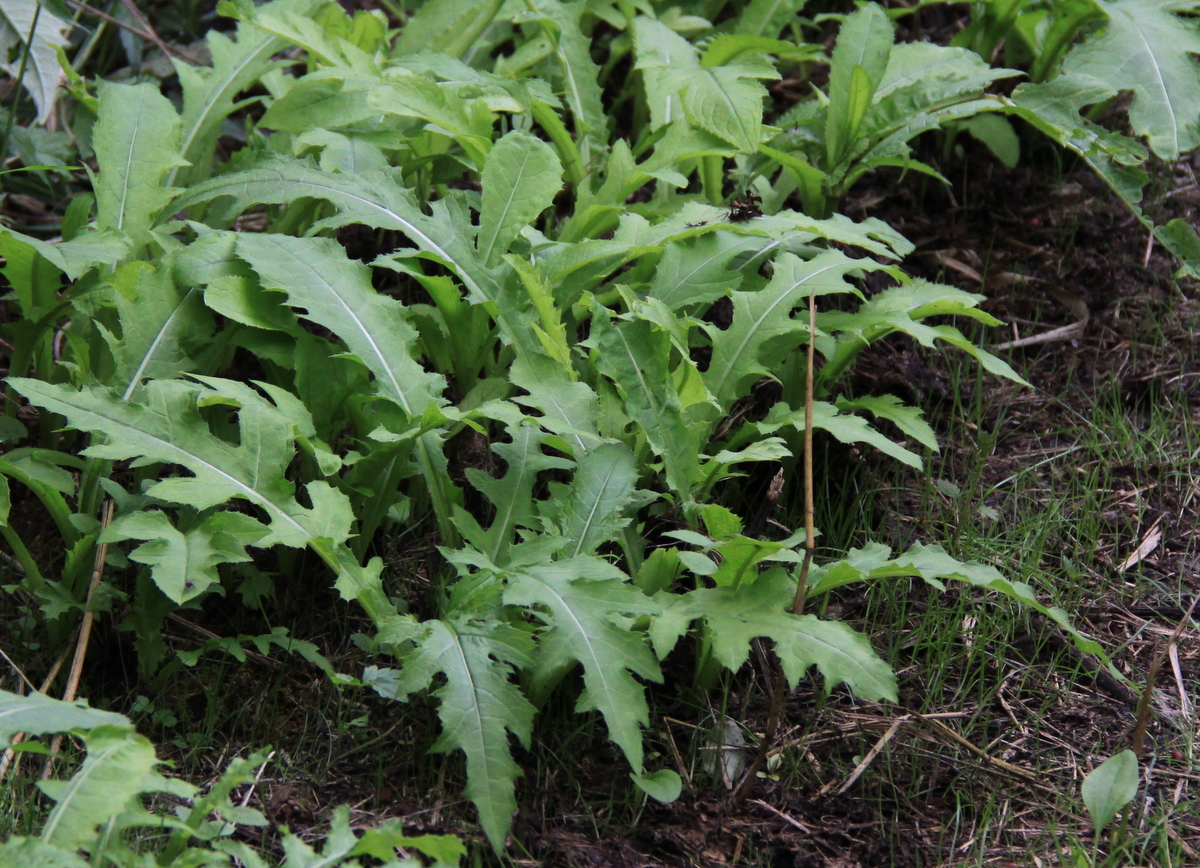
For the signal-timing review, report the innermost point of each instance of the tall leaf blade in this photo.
(478, 703)
(699, 272)
(727, 101)
(765, 316)
(119, 768)
(601, 490)
(42, 72)
(209, 93)
(336, 293)
(160, 325)
(580, 596)
(664, 58)
(579, 73)
(136, 139)
(512, 494)
(520, 178)
(450, 26)
(634, 355)
(864, 42)
(768, 17)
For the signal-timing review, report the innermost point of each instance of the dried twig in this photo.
(85, 631)
(116, 22)
(779, 695)
(10, 754)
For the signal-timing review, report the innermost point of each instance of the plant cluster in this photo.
(96, 808)
(564, 282)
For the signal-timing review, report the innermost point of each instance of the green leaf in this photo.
(511, 494)
(569, 408)
(32, 268)
(998, 135)
(578, 75)
(1054, 109)
(477, 704)
(42, 72)
(662, 55)
(768, 17)
(1180, 238)
(1147, 48)
(762, 320)
(590, 511)
(907, 419)
(699, 271)
(450, 26)
(1109, 787)
(119, 768)
(727, 101)
(161, 326)
(34, 853)
(382, 841)
(580, 596)
(136, 139)
(864, 43)
(736, 616)
(329, 98)
(924, 86)
(520, 179)
(335, 292)
(37, 713)
(379, 200)
(444, 110)
(168, 427)
(210, 93)
(634, 356)
(846, 428)
(901, 308)
(663, 785)
(184, 562)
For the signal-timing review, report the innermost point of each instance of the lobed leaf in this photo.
(336, 293)
(478, 703)
(1147, 48)
(580, 596)
(734, 616)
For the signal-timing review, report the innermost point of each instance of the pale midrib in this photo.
(1162, 85)
(768, 18)
(683, 280)
(137, 125)
(508, 205)
(505, 521)
(218, 96)
(757, 324)
(645, 388)
(248, 491)
(153, 348)
(597, 669)
(730, 104)
(591, 516)
(468, 675)
(328, 287)
(95, 763)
